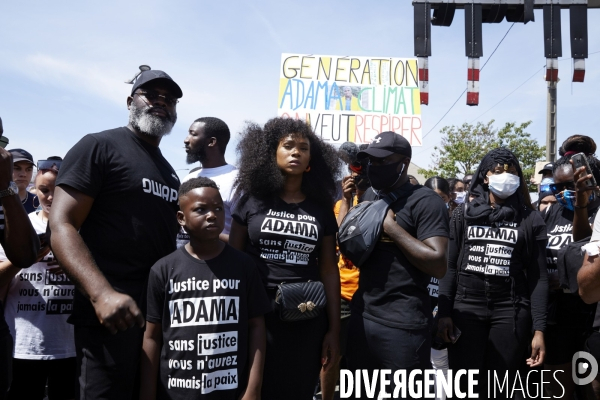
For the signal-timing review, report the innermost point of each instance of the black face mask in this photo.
(383, 177)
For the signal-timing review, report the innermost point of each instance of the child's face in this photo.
(202, 213)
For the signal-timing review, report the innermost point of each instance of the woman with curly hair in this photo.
(496, 286)
(284, 218)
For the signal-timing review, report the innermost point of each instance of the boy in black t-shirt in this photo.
(205, 336)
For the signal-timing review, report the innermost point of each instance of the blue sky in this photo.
(63, 64)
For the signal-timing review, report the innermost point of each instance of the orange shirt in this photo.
(348, 272)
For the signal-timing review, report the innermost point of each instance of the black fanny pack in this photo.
(362, 226)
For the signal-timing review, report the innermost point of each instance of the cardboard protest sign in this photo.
(352, 99)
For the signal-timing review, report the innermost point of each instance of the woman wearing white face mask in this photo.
(496, 286)
(458, 193)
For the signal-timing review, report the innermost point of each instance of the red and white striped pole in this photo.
(551, 69)
(578, 69)
(424, 79)
(473, 82)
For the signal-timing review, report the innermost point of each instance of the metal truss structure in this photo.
(478, 12)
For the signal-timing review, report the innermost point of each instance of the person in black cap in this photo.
(22, 173)
(390, 311)
(545, 197)
(21, 246)
(546, 171)
(113, 217)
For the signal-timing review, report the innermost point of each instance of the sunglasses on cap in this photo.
(48, 165)
(556, 188)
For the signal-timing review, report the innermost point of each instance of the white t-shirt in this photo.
(224, 177)
(37, 306)
(596, 231)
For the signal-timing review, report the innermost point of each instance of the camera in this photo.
(361, 180)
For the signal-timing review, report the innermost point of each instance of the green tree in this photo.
(463, 147)
(527, 150)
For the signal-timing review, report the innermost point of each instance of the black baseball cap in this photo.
(153, 74)
(21, 155)
(385, 144)
(547, 167)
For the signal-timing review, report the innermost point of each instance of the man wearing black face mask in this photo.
(389, 326)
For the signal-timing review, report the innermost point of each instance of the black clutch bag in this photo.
(300, 301)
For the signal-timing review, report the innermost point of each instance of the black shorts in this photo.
(107, 365)
(30, 377)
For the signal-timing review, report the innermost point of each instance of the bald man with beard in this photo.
(113, 217)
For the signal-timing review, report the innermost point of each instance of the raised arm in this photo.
(20, 241)
(581, 225)
(346, 202)
(70, 208)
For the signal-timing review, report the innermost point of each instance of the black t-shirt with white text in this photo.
(559, 223)
(500, 252)
(391, 290)
(434, 290)
(564, 308)
(132, 222)
(284, 240)
(204, 308)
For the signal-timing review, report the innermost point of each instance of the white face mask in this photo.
(460, 197)
(503, 185)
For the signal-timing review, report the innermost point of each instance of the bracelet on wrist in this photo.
(580, 207)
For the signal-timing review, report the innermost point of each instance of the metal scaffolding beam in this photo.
(536, 3)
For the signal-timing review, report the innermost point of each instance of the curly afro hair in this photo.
(259, 175)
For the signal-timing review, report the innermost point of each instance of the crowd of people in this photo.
(118, 281)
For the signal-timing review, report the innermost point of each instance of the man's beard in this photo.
(152, 125)
(199, 155)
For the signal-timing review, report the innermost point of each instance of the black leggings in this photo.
(495, 322)
(293, 358)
